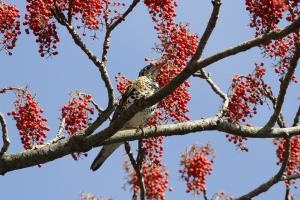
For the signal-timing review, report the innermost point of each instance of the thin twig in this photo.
(275, 179)
(5, 138)
(297, 117)
(287, 194)
(283, 87)
(208, 30)
(124, 15)
(137, 170)
(202, 74)
(12, 88)
(205, 195)
(101, 65)
(280, 120)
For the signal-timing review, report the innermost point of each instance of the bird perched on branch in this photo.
(144, 86)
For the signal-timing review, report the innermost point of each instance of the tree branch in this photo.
(290, 177)
(81, 143)
(297, 117)
(124, 15)
(283, 87)
(208, 30)
(280, 119)
(11, 88)
(137, 170)
(201, 73)
(101, 65)
(275, 179)
(5, 138)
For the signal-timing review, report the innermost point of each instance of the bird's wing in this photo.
(107, 150)
(124, 103)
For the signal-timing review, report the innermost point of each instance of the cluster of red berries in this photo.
(177, 47)
(246, 93)
(196, 164)
(90, 11)
(76, 113)
(9, 27)
(265, 16)
(39, 19)
(293, 166)
(162, 12)
(122, 83)
(156, 179)
(29, 120)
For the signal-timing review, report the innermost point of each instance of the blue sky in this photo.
(53, 79)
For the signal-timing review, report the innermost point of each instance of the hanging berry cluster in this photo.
(29, 120)
(9, 27)
(196, 164)
(293, 166)
(41, 21)
(246, 93)
(76, 113)
(156, 180)
(265, 17)
(177, 46)
(122, 83)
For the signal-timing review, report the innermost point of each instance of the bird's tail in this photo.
(105, 152)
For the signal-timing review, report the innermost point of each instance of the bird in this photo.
(144, 86)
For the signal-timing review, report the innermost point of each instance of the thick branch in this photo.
(49, 152)
(283, 87)
(5, 137)
(275, 179)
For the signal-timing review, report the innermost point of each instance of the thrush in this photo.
(144, 86)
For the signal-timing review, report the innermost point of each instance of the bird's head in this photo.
(150, 71)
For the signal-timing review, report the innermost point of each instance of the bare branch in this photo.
(11, 88)
(137, 169)
(201, 73)
(297, 117)
(5, 138)
(275, 179)
(208, 30)
(101, 65)
(80, 143)
(124, 15)
(205, 195)
(280, 120)
(283, 87)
